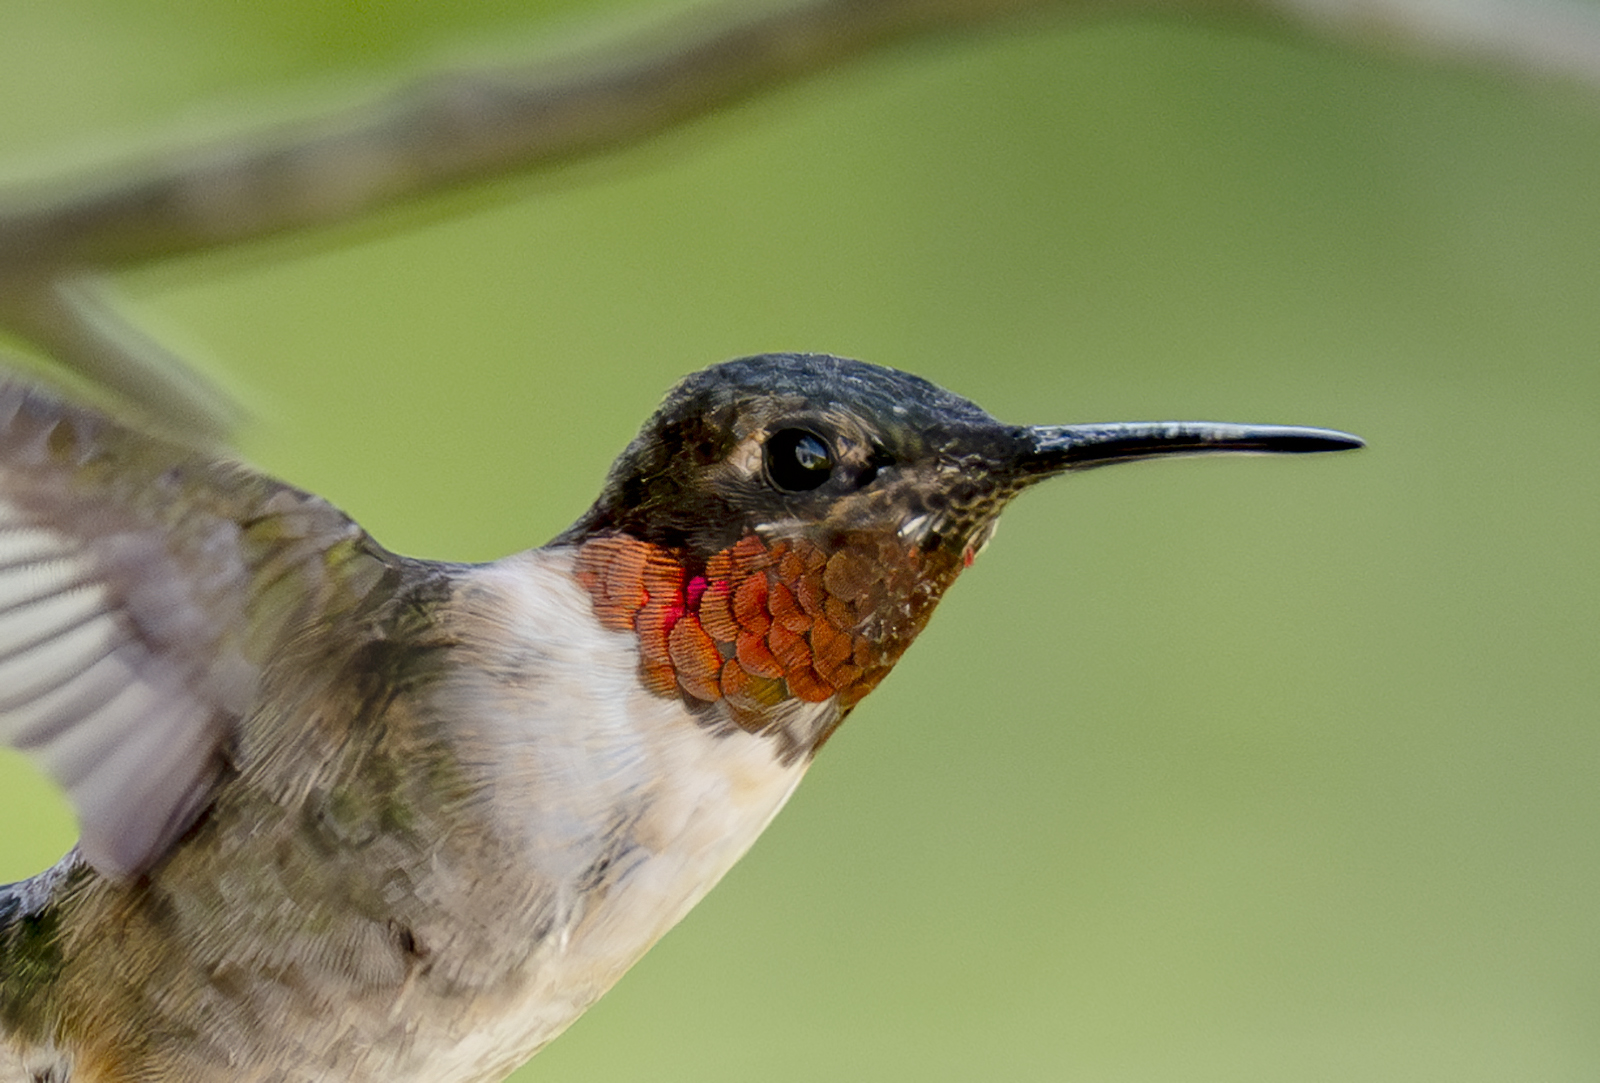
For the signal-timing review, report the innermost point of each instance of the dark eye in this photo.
(797, 460)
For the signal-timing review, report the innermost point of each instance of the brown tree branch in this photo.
(462, 127)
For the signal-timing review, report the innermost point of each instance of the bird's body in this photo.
(430, 867)
(348, 815)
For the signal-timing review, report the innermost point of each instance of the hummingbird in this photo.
(349, 815)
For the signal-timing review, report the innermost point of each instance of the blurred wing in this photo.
(141, 585)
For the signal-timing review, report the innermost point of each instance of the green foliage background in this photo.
(1226, 770)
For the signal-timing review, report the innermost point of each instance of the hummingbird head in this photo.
(805, 446)
(783, 525)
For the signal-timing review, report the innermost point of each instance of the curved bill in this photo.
(1057, 448)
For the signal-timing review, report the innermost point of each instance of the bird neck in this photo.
(764, 621)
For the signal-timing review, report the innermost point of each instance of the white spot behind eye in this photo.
(747, 458)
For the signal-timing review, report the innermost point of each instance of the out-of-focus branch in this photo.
(458, 127)
(467, 126)
(1544, 39)
(74, 319)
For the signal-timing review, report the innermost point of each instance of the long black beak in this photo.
(1058, 448)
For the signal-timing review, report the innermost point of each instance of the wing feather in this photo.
(143, 587)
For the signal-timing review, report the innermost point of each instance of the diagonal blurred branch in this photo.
(469, 126)
(73, 317)
(1547, 39)
(464, 126)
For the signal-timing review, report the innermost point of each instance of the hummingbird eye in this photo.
(797, 460)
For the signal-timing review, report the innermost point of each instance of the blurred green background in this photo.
(1227, 770)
